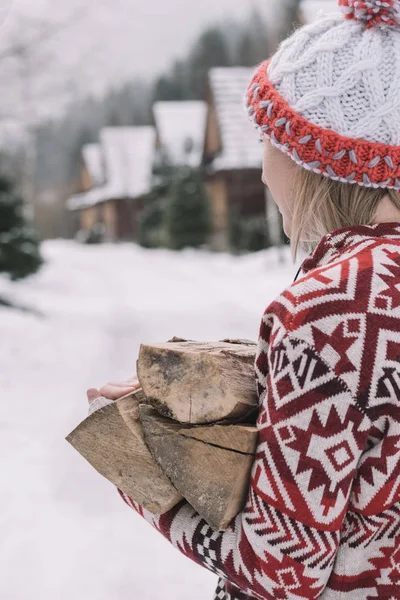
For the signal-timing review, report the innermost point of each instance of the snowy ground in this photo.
(65, 533)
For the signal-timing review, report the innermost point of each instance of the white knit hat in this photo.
(330, 96)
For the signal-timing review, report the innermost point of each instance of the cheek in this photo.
(274, 183)
(279, 178)
(279, 172)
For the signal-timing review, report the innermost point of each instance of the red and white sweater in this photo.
(322, 518)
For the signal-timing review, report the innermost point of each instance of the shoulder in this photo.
(361, 280)
(319, 294)
(332, 308)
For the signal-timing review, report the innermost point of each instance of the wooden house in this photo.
(116, 178)
(232, 153)
(180, 128)
(91, 175)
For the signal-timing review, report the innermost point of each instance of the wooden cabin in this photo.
(91, 175)
(115, 180)
(232, 153)
(180, 130)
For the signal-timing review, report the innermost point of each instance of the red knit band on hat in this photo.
(319, 150)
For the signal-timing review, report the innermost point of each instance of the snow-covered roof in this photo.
(312, 8)
(93, 159)
(127, 154)
(179, 125)
(240, 145)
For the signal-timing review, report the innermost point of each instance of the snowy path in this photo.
(65, 533)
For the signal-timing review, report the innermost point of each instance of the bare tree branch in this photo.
(47, 31)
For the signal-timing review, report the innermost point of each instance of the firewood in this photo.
(209, 465)
(111, 440)
(200, 382)
(128, 407)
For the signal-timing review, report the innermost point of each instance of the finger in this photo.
(92, 394)
(123, 384)
(114, 392)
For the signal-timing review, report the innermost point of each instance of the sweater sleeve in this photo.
(311, 437)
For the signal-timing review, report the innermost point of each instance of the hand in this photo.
(114, 390)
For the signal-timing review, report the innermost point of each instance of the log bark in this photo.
(209, 465)
(111, 440)
(200, 382)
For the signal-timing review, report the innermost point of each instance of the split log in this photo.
(111, 440)
(209, 465)
(200, 382)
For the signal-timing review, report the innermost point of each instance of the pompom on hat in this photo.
(374, 13)
(330, 96)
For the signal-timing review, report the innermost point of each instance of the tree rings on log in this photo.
(111, 440)
(199, 382)
(209, 465)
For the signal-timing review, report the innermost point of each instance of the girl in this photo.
(322, 519)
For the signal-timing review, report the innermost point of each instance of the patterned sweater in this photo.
(322, 519)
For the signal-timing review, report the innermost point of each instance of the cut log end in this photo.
(199, 382)
(188, 433)
(209, 465)
(119, 453)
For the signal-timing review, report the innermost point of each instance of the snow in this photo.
(240, 146)
(177, 123)
(92, 155)
(66, 534)
(128, 154)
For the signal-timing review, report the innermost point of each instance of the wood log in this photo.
(128, 407)
(111, 440)
(209, 465)
(200, 382)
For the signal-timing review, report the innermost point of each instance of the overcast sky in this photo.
(125, 37)
(105, 43)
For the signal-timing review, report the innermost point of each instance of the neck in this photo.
(386, 212)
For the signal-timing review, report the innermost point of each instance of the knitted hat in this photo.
(330, 96)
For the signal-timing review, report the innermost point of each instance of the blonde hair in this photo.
(323, 205)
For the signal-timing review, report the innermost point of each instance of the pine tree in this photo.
(210, 50)
(19, 243)
(151, 230)
(188, 221)
(290, 18)
(173, 86)
(252, 45)
(247, 234)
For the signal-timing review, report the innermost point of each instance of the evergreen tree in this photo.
(255, 234)
(152, 229)
(19, 243)
(210, 50)
(188, 220)
(247, 234)
(252, 46)
(114, 118)
(173, 86)
(290, 17)
(235, 233)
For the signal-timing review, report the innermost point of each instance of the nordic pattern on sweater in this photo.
(322, 518)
